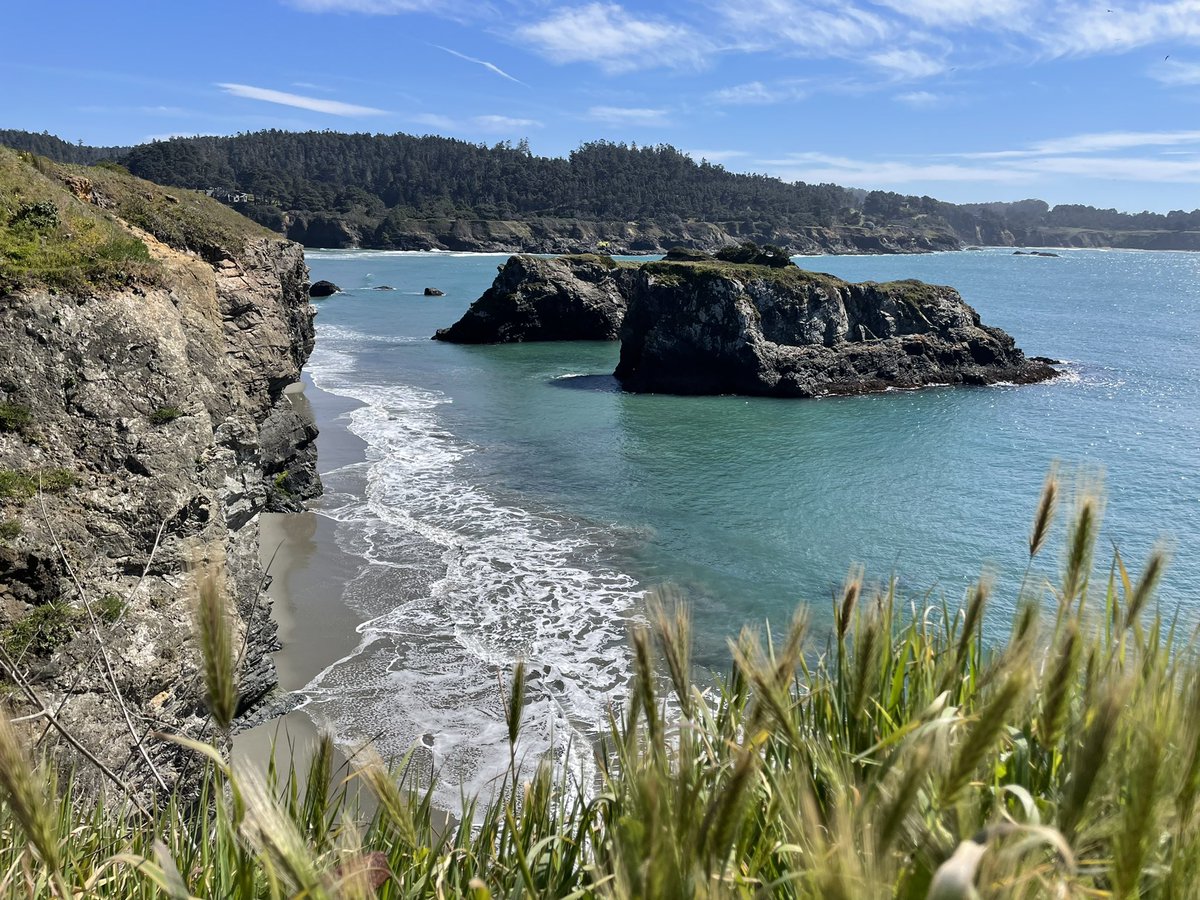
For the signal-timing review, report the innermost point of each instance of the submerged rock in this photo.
(323, 289)
(571, 298)
(717, 328)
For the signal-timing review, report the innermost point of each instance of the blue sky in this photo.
(965, 100)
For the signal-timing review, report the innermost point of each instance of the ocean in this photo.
(507, 508)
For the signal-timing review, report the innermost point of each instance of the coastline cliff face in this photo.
(717, 328)
(145, 422)
(578, 236)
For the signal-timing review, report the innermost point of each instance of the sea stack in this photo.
(728, 328)
(570, 298)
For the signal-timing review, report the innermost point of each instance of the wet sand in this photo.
(308, 576)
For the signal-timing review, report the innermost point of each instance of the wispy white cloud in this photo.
(504, 124)
(1097, 142)
(716, 156)
(1175, 72)
(812, 28)
(878, 173)
(920, 99)
(314, 104)
(1117, 168)
(433, 120)
(756, 93)
(907, 63)
(943, 13)
(491, 67)
(486, 124)
(1078, 28)
(609, 36)
(625, 115)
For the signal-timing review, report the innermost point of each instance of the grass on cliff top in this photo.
(61, 227)
(898, 757)
(909, 290)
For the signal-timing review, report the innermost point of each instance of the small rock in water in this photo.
(383, 287)
(427, 739)
(434, 292)
(323, 289)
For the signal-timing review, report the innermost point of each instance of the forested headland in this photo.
(328, 189)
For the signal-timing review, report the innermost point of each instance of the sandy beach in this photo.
(308, 576)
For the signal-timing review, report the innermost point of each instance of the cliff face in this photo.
(548, 235)
(571, 298)
(148, 425)
(712, 328)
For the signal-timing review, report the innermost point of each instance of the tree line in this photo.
(371, 180)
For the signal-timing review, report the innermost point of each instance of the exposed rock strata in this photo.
(166, 403)
(551, 235)
(713, 328)
(571, 298)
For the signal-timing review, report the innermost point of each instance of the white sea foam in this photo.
(459, 585)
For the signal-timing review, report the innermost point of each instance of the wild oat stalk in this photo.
(847, 773)
(216, 645)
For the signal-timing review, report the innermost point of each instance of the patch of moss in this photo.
(599, 259)
(15, 418)
(41, 630)
(917, 293)
(110, 607)
(165, 414)
(679, 272)
(19, 486)
(10, 529)
(281, 483)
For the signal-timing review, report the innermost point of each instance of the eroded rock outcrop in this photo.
(570, 298)
(714, 328)
(155, 416)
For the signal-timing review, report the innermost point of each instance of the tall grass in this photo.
(899, 756)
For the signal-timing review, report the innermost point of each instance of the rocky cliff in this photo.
(148, 339)
(571, 298)
(567, 235)
(716, 328)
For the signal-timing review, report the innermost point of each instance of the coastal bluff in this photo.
(148, 341)
(751, 324)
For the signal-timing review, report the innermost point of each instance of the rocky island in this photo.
(570, 298)
(148, 341)
(749, 323)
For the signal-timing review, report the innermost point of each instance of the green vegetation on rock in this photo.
(64, 227)
(20, 485)
(164, 414)
(41, 630)
(15, 418)
(50, 238)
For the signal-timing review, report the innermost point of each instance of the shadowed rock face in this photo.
(167, 403)
(710, 328)
(571, 298)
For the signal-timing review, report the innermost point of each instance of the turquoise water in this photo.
(542, 504)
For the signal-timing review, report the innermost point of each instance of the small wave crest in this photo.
(459, 585)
